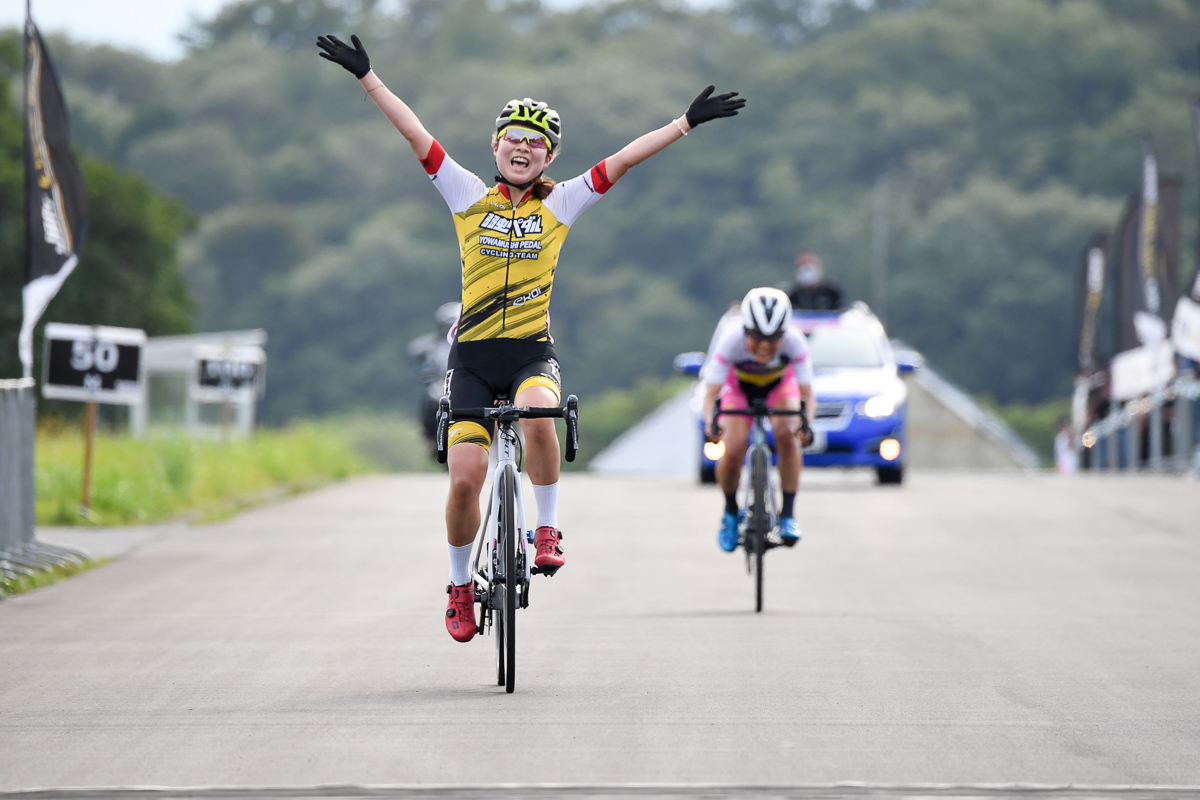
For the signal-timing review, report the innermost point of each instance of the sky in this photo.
(149, 26)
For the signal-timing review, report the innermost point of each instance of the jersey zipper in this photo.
(507, 267)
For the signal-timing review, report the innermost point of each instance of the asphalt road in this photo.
(964, 629)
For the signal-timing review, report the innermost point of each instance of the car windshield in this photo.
(842, 346)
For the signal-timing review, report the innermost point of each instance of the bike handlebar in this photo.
(763, 411)
(507, 413)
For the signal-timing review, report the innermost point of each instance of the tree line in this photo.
(1002, 133)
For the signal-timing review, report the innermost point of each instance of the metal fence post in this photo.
(1112, 443)
(1181, 428)
(16, 464)
(1154, 421)
(1131, 443)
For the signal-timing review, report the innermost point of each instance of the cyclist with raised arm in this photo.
(764, 357)
(509, 238)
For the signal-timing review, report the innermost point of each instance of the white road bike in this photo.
(501, 565)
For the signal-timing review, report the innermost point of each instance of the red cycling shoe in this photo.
(548, 542)
(460, 612)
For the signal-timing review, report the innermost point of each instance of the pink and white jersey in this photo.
(731, 353)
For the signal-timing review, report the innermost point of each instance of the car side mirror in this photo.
(689, 363)
(908, 361)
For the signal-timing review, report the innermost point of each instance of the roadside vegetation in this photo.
(170, 475)
(1035, 423)
(36, 579)
(1002, 134)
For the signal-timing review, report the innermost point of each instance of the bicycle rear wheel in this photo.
(499, 623)
(759, 519)
(508, 549)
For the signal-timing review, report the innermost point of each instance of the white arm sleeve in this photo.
(569, 199)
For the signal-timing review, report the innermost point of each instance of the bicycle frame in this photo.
(758, 495)
(502, 583)
(507, 447)
(758, 441)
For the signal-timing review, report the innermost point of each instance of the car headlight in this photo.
(877, 407)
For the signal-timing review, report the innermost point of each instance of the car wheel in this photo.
(890, 475)
(708, 474)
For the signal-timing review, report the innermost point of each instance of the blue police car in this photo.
(861, 398)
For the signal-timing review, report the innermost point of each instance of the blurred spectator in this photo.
(812, 291)
(1066, 459)
(431, 352)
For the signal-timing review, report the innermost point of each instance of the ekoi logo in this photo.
(534, 294)
(519, 227)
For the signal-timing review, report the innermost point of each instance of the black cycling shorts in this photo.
(478, 372)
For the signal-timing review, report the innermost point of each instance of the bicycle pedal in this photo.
(547, 571)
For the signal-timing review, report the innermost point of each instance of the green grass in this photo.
(1035, 423)
(168, 475)
(45, 577)
(604, 417)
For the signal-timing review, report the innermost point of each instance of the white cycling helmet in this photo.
(766, 313)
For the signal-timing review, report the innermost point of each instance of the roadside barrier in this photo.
(1138, 433)
(20, 554)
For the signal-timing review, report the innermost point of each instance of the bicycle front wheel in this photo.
(508, 549)
(759, 519)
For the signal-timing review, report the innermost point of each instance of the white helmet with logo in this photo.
(766, 313)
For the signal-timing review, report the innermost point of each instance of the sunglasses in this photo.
(535, 140)
(758, 337)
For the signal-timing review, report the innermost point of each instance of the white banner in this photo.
(1185, 328)
(1138, 372)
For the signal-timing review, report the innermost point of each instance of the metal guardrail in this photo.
(1116, 439)
(20, 554)
(979, 419)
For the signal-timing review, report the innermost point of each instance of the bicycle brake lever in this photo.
(443, 428)
(572, 417)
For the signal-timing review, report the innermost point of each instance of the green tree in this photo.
(128, 273)
(1006, 129)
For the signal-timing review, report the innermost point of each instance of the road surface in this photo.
(964, 629)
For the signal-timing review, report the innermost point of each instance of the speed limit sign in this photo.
(96, 364)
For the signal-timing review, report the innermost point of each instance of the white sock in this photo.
(547, 505)
(460, 563)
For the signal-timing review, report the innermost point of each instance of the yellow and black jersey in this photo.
(509, 254)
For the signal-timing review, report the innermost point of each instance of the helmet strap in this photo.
(521, 186)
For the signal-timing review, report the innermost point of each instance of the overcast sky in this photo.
(150, 26)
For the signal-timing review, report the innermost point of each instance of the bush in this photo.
(170, 474)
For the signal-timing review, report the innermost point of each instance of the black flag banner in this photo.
(1148, 257)
(1194, 290)
(55, 194)
(1090, 294)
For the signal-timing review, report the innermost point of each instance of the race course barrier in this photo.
(20, 554)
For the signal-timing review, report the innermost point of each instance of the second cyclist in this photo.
(764, 357)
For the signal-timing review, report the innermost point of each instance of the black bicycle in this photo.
(501, 566)
(758, 530)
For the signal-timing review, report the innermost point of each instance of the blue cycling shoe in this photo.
(727, 538)
(789, 531)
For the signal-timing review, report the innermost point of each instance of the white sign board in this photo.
(1185, 328)
(1138, 372)
(226, 374)
(93, 363)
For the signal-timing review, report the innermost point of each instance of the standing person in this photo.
(812, 290)
(509, 238)
(763, 358)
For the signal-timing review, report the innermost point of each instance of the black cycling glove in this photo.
(706, 107)
(354, 59)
